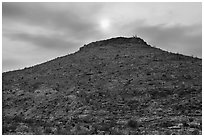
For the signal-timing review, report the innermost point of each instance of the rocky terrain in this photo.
(115, 86)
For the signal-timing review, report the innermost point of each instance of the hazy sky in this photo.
(33, 33)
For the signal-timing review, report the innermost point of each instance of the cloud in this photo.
(55, 29)
(70, 19)
(42, 41)
(182, 39)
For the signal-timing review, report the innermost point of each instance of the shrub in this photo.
(191, 119)
(48, 130)
(36, 85)
(185, 124)
(195, 132)
(166, 124)
(132, 124)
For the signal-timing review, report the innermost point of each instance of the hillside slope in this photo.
(115, 86)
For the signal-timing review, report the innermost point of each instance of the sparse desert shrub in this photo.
(190, 119)
(29, 121)
(38, 130)
(185, 124)
(22, 128)
(4, 130)
(160, 93)
(104, 127)
(133, 104)
(132, 123)
(9, 128)
(48, 130)
(36, 85)
(63, 131)
(166, 124)
(18, 119)
(167, 132)
(195, 132)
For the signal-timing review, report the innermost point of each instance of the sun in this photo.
(105, 24)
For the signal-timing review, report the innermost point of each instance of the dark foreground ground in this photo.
(117, 86)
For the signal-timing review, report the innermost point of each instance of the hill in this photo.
(115, 86)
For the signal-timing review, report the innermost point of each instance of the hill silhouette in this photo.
(115, 86)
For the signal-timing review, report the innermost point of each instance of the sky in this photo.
(33, 33)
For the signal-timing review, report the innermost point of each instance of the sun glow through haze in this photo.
(105, 24)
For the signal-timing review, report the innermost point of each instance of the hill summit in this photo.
(115, 86)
